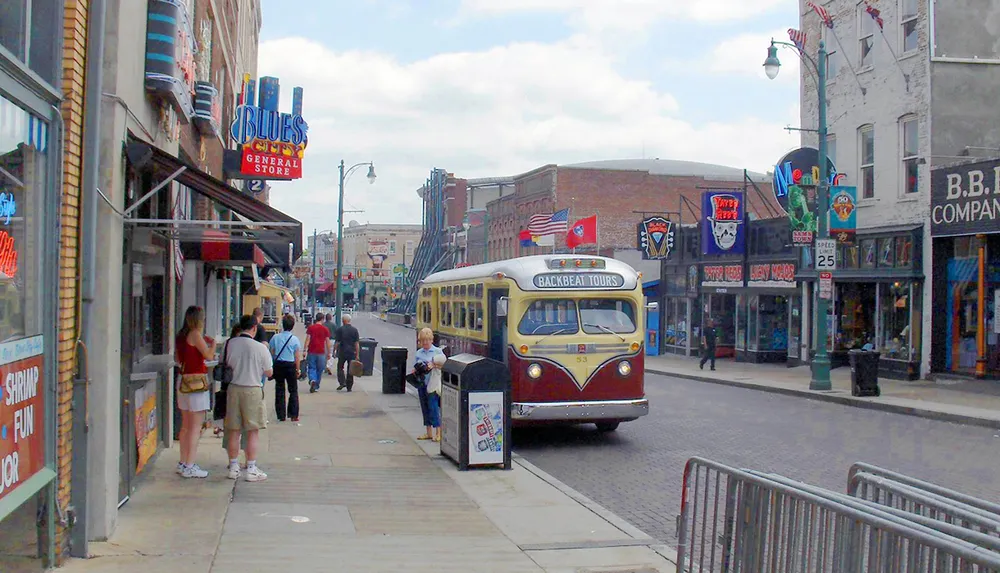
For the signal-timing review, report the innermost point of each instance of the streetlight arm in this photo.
(802, 55)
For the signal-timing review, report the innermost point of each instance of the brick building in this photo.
(616, 191)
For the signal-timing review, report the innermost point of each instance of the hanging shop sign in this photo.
(272, 144)
(22, 412)
(722, 276)
(723, 230)
(843, 213)
(170, 69)
(965, 199)
(796, 176)
(656, 238)
(772, 275)
(207, 109)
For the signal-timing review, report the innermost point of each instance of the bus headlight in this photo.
(624, 368)
(535, 371)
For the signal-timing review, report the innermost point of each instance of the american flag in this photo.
(823, 14)
(798, 38)
(875, 14)
(549, 224)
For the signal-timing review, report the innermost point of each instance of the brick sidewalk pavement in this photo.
(350, 489)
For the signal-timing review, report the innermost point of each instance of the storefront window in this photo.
(741, 322)
(795, 327)
(894, 320)
(22, 186)
(868, 254)
(904, 252)
(886, 252)
(675, 332)
(722, 309)
(773, 331)
(855, 315)
(849, 256)
(753, 308)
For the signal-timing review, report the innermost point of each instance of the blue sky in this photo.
(498, 87)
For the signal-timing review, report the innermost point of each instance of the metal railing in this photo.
(740, 521)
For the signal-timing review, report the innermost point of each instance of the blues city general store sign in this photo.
(965, 199)
(272, 143)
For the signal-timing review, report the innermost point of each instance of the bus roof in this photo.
(524, 269)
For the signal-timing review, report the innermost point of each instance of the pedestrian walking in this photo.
(193, 398)
(287, 352)
(319, 349)
(708, 338)
(427, 364)
(329, 324)
(347, 342)
(249, 361)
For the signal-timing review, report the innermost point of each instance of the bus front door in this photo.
(498, 324)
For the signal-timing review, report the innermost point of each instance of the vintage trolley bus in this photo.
(568, 327)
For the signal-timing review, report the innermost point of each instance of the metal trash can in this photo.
(393, 369)
(475, 412)
(864, 372)
(367, 357)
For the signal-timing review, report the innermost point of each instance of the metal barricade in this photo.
(737, 521)
(925, 499)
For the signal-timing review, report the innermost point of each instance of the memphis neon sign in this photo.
(785, 176)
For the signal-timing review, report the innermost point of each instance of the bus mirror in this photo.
(502, 306)
(653, 306)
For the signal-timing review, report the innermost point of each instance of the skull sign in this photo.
(725, 220)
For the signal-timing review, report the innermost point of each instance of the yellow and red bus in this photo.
(568, 327)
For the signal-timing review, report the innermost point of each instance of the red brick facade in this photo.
(613, 195)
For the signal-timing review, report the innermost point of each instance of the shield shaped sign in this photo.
(656, 238)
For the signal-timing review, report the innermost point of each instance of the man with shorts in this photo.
(250, 361)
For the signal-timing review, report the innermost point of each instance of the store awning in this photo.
(216, 246)
(325, 287)
(253, 222)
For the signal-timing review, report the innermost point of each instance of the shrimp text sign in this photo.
(22, 412)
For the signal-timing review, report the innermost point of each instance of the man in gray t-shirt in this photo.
(250, 361)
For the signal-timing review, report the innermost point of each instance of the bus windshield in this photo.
(601, 315)
(550, 316)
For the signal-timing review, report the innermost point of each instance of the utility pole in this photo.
(315, 247)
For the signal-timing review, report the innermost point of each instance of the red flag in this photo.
(583, 231)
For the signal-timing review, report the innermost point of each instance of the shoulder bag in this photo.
(192, 383)
(278, 353)
(223, 372)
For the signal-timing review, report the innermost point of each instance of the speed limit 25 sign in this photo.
(826, 254)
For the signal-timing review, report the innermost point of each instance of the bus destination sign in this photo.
(579, 280)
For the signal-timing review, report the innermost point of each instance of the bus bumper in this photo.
(621, 410)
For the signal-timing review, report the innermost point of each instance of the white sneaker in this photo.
(254, 474)
(180, 468)
(194, 472)
(234, 471)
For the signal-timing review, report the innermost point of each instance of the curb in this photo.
(918, 412)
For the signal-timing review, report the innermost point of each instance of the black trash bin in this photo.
(368, 355)
(475, 412)
(864, 372)
(393, 369)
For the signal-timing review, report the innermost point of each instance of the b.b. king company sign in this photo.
(965, 199)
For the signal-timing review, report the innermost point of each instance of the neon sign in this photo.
(8, 207)
(8, 256)
(273, 143)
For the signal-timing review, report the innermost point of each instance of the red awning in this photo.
(218, 247)
(326, 287)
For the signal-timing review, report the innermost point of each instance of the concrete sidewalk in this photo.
(350, 489)
(972, 402)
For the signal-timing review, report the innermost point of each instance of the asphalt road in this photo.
(636, 471)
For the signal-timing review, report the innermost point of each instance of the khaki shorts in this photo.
(244, 408)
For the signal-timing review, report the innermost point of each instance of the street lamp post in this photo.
(821, 361)
(340, 228)
(315, 249)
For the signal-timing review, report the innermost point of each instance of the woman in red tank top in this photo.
(192, 349)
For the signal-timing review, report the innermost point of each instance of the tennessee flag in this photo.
(582, 232)
(526, 240)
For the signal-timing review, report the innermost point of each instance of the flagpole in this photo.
(572, 203)
(843, 56)
(597, 226)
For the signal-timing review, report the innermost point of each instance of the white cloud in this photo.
(502, 111)
(628, 14)
(743, 55)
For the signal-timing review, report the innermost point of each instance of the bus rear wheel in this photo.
(607, 426)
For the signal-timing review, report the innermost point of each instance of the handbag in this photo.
(223, 372)
(193, 383)
(357, 368)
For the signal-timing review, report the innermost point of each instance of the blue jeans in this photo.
(316, 363)
(425, 409)
(434, 409)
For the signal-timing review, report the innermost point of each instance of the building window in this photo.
(908, 24)
(832, 55)
(831, 148)
(866, 37)
(908, 148)
(866, 145)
